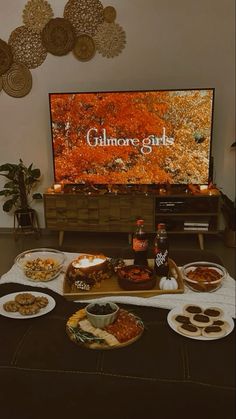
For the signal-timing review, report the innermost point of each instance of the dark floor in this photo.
(111, 244)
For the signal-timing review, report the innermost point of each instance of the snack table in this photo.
(163, 374)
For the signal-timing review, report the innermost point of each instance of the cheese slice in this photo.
(100, 333)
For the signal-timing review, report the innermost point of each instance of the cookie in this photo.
(192, 309)
(29, 309)
(189, 330)
(41, 301)
(213, 312)
(25, 298)
(11, 306)
(179, 319)
(222, 323)
(201, 320)
(213, 331)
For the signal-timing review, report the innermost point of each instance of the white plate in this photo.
(179, 310)
(16, 315)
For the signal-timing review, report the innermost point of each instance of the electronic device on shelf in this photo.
(148, 137)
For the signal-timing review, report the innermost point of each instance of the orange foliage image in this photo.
(144, 137)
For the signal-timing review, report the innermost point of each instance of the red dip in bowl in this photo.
(136, 277)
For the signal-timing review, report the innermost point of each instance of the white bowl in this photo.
(41, 265)
(101, 320)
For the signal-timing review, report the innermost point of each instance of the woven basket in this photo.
(84, 48)
(17, 81)
(58, 36)
(5, 57)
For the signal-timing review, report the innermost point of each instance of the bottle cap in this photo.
(161, 226)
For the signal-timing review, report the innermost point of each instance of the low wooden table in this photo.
(45, 375)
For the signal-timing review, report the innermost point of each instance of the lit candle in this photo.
(86, 263)
(57, 188)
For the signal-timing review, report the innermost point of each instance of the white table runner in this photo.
(224, 296)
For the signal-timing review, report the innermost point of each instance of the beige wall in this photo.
(170, 44)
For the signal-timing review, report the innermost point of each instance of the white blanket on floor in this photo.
(223, 297)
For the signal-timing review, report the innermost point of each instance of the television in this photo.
(143, 137)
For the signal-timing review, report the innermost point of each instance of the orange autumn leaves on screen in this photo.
(133, 116)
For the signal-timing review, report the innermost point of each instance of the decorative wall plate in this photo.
(109, 14)
(36, 14)
(85, 15)
(84, 48)
(110, 39)
(6, 57)
(58, 36)
(17, 81)
(27, 47)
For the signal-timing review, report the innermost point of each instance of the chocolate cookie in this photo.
(213, 331)
(201, 320)
(179, 319)
(213, 312)
(192, 309)
(189, 330)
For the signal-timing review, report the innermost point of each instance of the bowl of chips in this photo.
(41, 265)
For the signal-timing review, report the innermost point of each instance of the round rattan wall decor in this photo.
(109, 14)
(58, 36)
(36, 14)
(6, 58)
(84, 48)
(17, 81)
(110, 39)
(27, 47)
(85, 15)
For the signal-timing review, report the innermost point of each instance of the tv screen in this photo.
(132, 137)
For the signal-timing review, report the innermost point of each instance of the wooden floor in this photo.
(111, 244)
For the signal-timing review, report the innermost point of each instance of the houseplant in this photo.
(228, 208)
(21, 181)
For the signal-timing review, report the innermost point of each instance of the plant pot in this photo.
(229, 238)
(25, 217)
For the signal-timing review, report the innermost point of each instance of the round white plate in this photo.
(179, 310)
(16, 315)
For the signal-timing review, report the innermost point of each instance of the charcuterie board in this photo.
(125, 330)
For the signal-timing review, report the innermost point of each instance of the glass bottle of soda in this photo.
(140, 244)
(161, 251)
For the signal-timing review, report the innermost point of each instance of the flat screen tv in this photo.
(132, 137)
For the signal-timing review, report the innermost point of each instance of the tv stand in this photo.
(183, 213)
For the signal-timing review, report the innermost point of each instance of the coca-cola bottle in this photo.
(161, 251)
(140, 244)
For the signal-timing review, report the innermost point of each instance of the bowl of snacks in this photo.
(203, 276)
(41, 265)
(101, 314)
(136, 277)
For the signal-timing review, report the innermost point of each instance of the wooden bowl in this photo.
(136, 277)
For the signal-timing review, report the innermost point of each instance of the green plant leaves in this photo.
(22, 180)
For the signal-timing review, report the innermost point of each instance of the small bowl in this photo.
(41, 265)
(136, 277)
(203, 276)
(101, 320)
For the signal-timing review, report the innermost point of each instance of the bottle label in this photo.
(161, 258)
(140, 245)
